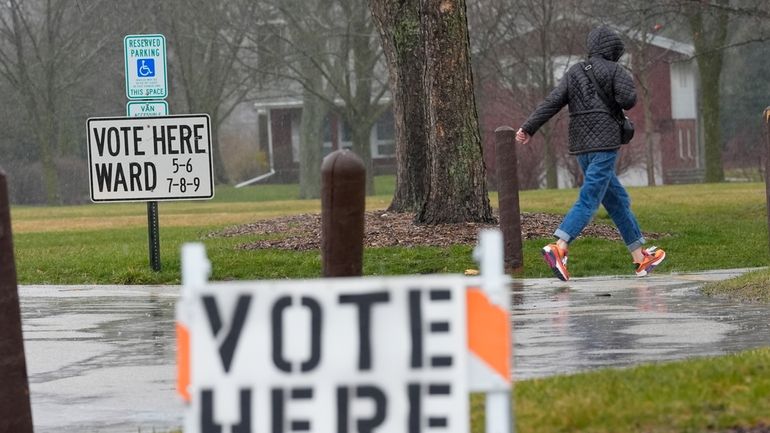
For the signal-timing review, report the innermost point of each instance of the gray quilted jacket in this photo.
(591, 127)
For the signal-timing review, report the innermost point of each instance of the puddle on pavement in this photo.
(566, 328)
(101, 363)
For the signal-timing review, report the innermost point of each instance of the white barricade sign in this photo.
(337, 355)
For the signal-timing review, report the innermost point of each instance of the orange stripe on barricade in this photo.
(183, 361)
(488, 333)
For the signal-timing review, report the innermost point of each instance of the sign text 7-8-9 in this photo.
(150, 158)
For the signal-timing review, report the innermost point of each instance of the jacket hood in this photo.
(604, 42)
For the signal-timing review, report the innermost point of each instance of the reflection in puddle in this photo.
(561, 329)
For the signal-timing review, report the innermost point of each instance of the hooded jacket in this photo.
(592, 126)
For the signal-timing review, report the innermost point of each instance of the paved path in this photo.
(562, 328)
(101, 358)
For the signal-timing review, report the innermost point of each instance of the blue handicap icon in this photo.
(145, 67)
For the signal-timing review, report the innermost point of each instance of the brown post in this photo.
(766, 118)
(343, 195)
(15, 410)
(508, 196)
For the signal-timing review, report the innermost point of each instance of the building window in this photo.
(346, 135)
(295, 120)
(384, 136)
(686, 144)
(328, 143)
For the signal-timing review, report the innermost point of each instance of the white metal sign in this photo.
(329, 356)
(145, 65)
(146, 108)
(150, 158)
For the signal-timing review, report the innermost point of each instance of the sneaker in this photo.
(652, 258)
(556, 258)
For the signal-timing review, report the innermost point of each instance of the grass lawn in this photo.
(751, 287)
(710, 226)
(704, 395)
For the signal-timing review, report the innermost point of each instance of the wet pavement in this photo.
(101, 358)
(563, 328)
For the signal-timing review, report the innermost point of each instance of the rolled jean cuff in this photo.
(561, 234)
(636, 244)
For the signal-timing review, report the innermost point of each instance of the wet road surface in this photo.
(101, 358)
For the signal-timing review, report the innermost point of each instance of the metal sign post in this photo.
(146, 78)
(150, 109)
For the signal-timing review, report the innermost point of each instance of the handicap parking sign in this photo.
(145, 67)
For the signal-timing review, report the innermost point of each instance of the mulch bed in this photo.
(385, 229)
(759, 428)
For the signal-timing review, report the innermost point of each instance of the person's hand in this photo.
(522, 136)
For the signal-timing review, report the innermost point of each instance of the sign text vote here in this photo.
(330, 356)
(150, 158)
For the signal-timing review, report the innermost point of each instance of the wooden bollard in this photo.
(766, 118)
(343, 195)
(508, 196)
(15, 410)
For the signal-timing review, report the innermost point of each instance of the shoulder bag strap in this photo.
(588, 68)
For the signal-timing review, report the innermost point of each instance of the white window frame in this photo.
(376, 141)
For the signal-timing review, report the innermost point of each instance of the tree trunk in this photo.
(549, 159)
(709, 36)
(710, 117)
(50, 176)
(362, 146)
(220, 173)
(398, 22)
(649, 131)
(364, 61)
(546, 84)
(457, 191)
(311, 127)
(643, 77)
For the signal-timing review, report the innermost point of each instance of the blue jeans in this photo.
(601, 186)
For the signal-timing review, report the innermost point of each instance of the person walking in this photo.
(594, 139)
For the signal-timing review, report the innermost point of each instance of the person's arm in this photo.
(625, 91)
(547, 109)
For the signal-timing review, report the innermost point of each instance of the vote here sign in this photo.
(150, 158)
(328, 356)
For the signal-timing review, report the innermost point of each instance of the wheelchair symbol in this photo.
(145, 67)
